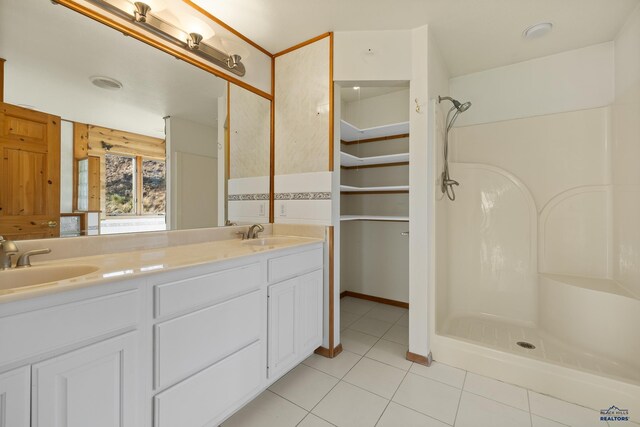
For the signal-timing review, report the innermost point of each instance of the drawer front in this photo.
(292, 265)
(206, 290)
(192, 342)
(209, 396)
(29, 334)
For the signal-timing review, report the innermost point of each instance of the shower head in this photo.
(459, 106)
(464, 107)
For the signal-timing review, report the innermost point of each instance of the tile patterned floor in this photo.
(372, 384)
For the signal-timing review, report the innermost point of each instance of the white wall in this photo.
(192, 151)
(378, 110)
(626, 154)
(574, 80)
(437, 217)
(421, 185)
(372, 55)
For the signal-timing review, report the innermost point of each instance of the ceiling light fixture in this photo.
(537, 30)
(142, 16)
(104, 82)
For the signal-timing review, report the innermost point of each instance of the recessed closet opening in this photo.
(374, 214)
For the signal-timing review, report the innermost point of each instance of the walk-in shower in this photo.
(446, 185)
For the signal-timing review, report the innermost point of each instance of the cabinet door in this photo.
(93, 386)
(282, 308)
(15, 399)
(309, 318)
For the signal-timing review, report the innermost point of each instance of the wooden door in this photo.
(29, 173)
(94, 386)
(15, 398)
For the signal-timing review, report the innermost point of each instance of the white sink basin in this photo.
(38, 275)
(268, 241)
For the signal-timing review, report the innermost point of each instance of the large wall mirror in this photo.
(144, 142)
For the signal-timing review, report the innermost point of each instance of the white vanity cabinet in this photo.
(186, 347)
(15, 400)
(78, 353)
(93, 386)
(295, 309)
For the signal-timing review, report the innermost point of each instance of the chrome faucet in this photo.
(7, 250)
(254, 230)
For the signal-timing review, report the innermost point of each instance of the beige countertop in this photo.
(129, 265)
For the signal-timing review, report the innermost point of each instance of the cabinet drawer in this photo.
(209, 396)
(207, 289)
(189, 343)
(29, 334)
(288, 266)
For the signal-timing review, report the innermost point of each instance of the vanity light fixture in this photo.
(194, 41)
(142, 15)
(356, 88)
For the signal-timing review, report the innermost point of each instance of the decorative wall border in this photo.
(245, 197)
(304, 196)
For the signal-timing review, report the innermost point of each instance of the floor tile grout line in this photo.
(460, 398)
(336, 384)
(494, 400)
(471, 392)
(293, 403)
(391, 399)
(529, 405)
(422, 413)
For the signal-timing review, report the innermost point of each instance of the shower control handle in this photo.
(404, 233)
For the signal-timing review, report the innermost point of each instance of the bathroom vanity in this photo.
(174, 336)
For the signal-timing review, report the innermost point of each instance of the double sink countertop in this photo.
(49, 277)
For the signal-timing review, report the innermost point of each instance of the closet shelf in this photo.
(349, 160)
(350, 133)
(387, 189)
(374, 218)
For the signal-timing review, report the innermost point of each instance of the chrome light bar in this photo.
(191, 42)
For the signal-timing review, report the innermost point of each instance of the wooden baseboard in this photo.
(374, 299)
(420, 359)
(325, 352)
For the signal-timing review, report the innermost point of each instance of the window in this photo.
(134, 186)
(120, 185)
(154, 187)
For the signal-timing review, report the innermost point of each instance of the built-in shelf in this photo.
(349, 160)
(350, 133)
(374, 218)
(380, 189)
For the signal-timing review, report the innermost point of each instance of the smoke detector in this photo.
(537, 30)
(106, 82)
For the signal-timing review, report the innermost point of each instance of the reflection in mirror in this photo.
(249, 144)
(109, 135)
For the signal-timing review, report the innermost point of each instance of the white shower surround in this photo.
(496, 239)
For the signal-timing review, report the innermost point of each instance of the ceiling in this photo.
(52, 51)
(473, 35)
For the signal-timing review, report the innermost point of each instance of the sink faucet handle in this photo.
(25, 261)
(242, 235)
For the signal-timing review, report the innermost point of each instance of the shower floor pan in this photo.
(505, 336)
